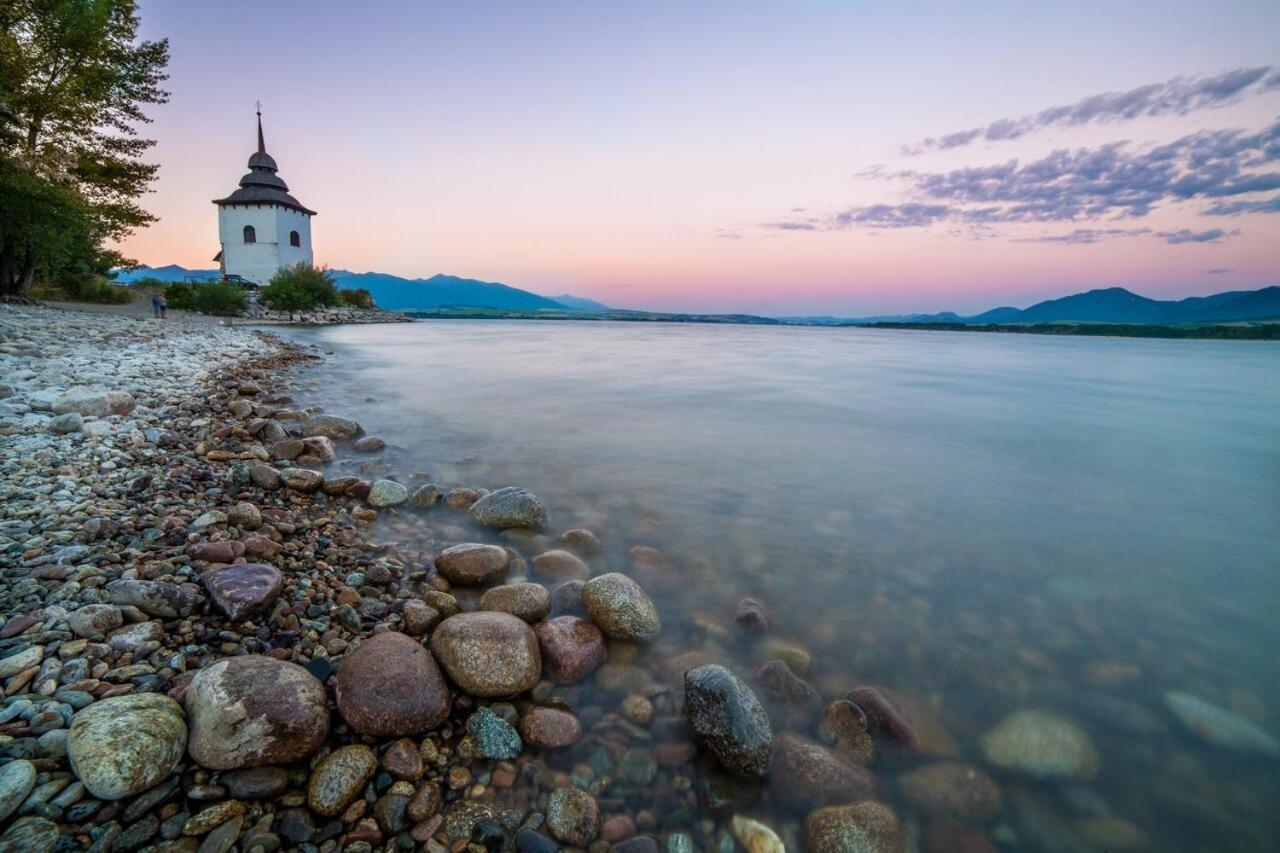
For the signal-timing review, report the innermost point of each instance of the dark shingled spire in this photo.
(262, 185)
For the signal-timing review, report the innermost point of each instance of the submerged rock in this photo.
(728, 720)
(123, 745)
(254, 710)
(806, 775)
(754, 836)
(1220, 726)
(952, 791)
(621, 608)
(1040, 745)
(572, 648)
(550, 728)
(330, 426)
(560, 565)
(495, 738)
(863, 827)
(507, 508)
(573, 816)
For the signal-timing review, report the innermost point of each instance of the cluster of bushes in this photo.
(215, 297)
(300, 288)
(358, 298)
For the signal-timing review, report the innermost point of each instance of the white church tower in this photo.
(261, 227)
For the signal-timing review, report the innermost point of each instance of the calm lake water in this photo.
(983, 523)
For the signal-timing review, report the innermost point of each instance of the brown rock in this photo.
(572, 648)
(807, 775)
(473, 563)
(561, 566)
(419, 617)
(952, 791)
(244, 590)
(862, 827)
(216, 552)
(529, 602)
(550, 728)
(845, 727)
(488, 653)
(390, 686)
(252, 710)
(403, 760)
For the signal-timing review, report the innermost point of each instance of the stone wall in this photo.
(322, 316)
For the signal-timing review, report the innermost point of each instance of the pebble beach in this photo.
(228, 622)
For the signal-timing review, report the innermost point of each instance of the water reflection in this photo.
(982, 523)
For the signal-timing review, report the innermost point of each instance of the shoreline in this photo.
(182, 577)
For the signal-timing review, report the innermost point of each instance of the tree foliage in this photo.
(74, 81)
(300, 287)
(217, 298)
(356, 297)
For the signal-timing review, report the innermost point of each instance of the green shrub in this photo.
(216, 298)
(97, 290)
(358, 298)
(299, 288)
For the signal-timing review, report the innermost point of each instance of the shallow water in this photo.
(981, 522)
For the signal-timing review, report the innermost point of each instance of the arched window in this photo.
(294, 239)
(250, 236)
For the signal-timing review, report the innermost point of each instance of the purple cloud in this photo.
(1178, 96)
(1186, 235)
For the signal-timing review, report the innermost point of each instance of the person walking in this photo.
(158, 304)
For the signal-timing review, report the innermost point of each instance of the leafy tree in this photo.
(74, 80)
(300, 287)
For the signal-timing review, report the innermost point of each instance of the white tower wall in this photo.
(272, 224)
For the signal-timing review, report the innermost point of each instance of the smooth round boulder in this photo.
(621, 608)
(550, 728)
(561, 565)
(862, 827)
(508, 508)
(95, 621)
(17, 778)
(123, 745)
(339, 778)
(253, 710)
(390, 686)
(386, 493)
(528, 602)
(472, 563)
(487, 653)
(728, 720)
(1041, 745)
(572, 648)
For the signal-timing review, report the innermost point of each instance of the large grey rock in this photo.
(301, 479)
(805, 775)
(65, 424)
(330, 426)
(253, 710)
(728, 720)
(95, 621)
(92, 402)
(488, 653)
(1219, 726)
(621, 608)
(386, 493)
(527, 601)
(17, 778)
(31, 835)
(126, 744)
(507, 508)
(390, 686)
(154, 598)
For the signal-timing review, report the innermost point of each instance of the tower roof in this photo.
(262, 185)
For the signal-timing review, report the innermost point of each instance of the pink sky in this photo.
(637, 156)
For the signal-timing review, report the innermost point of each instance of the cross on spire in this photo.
(262, 146)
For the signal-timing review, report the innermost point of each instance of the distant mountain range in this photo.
(409, 294)
(1105, 305)
(1109, 305)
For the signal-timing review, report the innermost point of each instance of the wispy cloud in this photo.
(1219, 270)
(1114, 181)
(1178, 96)
(1186, 235)
(1086, 235)
(1235, 208)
